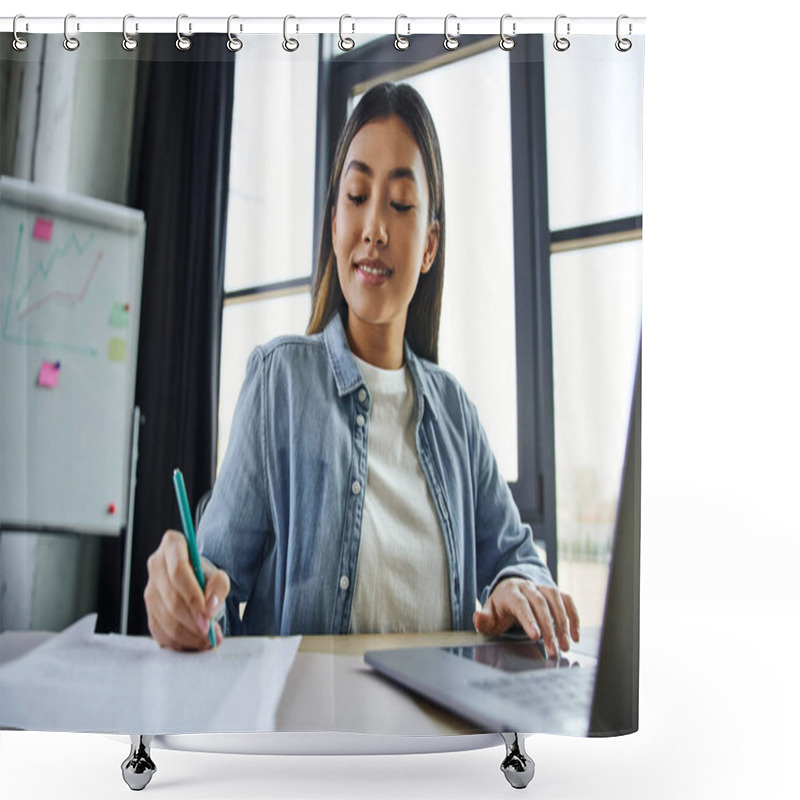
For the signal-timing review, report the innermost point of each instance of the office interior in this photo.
(228, 156)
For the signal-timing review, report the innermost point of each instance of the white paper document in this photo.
(81, 681)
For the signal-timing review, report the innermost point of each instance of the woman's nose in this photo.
(375, 232)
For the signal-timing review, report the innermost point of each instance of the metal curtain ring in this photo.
(234, 43)
(451, 42)
(19, 43)
(290, 45)
(623, 45)
(182, 43)
(400, 42)
(561, 43)
(70, 42)
(128, 43)
(507, 42)
(345, 42)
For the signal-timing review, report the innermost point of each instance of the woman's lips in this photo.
(373, 273)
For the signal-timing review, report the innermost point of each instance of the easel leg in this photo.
(138, 768)
(518, 766)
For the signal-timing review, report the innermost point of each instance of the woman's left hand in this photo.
(544, 612)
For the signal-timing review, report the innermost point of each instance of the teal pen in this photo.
(188, 532)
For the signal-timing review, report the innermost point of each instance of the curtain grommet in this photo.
(507, 42)
(182, 43)
(401, 42)
(561, 43)
(70, 42)
(128, 42)
(345, 42)
(451, 42)
(234, 43)
(18, 43)
(289, 44)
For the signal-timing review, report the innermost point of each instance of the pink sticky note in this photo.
(48, 375)
(43, 229)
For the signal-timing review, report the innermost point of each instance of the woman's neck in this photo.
(379, 345)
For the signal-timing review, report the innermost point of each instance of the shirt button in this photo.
(360, 420)
(362, 395)
(356, 487)
(344, 582)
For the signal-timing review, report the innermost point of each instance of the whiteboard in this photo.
(70, 292)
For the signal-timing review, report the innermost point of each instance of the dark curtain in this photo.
(179, 172)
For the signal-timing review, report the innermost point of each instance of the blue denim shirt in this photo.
(284, 519)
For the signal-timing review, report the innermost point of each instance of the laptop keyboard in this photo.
(553, 688)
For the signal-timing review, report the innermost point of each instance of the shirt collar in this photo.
(348, 377)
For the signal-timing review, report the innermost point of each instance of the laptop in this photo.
(509, 685)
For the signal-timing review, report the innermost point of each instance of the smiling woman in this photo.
(358, 492)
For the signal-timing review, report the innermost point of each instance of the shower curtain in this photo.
(228, 152)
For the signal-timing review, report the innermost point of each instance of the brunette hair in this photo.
(422, 322)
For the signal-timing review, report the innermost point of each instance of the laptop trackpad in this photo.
(511, 656)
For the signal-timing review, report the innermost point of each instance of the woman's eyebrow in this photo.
(397, 172)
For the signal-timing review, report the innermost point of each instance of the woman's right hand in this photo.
(178, 613)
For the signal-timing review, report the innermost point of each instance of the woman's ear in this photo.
(333, 221)
(431, 246)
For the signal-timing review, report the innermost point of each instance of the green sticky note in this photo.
(116, 349)
(119, 315)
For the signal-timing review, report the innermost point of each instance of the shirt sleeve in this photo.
(236, 525)
(504, 544)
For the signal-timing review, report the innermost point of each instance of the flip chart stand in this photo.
(138, 421)
(138, 768)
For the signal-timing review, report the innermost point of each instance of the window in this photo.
(595, 217)
(269, 250)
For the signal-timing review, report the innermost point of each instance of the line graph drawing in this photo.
(43, 272)
(43, 269)
(58, 294)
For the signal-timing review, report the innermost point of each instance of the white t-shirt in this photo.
(402, 581)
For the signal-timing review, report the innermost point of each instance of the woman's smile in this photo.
(373, 271)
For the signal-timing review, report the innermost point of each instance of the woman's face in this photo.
(381, 235)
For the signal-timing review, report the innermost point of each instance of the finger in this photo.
(218, 586)
(168, 632)
(509, 606)
(494, 618)
(574, 619)
(559, 615)
(166, 603)
(176, 621)
(188, 604)
(524, 614)
(541, 610)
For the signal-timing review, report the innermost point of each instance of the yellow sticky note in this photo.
(116, 349)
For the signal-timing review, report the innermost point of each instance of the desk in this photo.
(331, 688)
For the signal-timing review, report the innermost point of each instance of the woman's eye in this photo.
(356, 199)
(401, 207)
